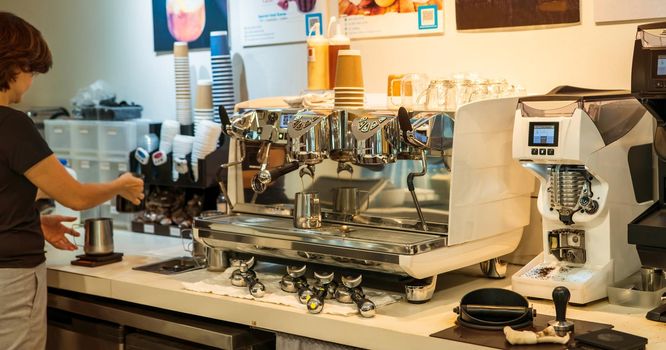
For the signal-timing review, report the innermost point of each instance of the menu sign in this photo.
(383, 18)
(267, 22)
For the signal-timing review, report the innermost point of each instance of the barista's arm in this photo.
(52, 178)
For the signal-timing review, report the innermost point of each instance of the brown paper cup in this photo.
(204, 96)
(349, 70)
(180, 49)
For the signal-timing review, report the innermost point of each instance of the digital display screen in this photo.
(661, 65)
(543, 134)
(284, 120)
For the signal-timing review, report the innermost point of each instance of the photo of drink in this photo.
(186, 19)
(189, 21)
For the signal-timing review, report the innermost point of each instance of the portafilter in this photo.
(308, 135)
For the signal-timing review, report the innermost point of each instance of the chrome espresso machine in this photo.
(407, 195)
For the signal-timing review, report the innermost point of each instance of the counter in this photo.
(396, 326)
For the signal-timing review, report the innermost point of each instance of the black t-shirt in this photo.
(21, 147)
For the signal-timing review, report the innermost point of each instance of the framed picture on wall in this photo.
(187, 20)
(484, 14)
(623, 10)
(389, 18)
(270, 22)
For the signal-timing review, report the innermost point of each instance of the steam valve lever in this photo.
(561, 296)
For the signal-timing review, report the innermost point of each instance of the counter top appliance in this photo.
(648, 85)
(591, 151)
(375, 208)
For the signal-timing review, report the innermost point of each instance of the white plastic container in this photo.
(84, 138)
(58, 136)
(117, 139)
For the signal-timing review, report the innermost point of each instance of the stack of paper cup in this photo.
(169, 130)
(206, 136)
(349, 90)
(183, 93)
(182, 146)
(223, 85)
(203, 106)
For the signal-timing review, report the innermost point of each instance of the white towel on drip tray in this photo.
(221, 285)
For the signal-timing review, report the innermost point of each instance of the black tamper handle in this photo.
(561, 296)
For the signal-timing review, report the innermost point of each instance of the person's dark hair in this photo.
(22, 48)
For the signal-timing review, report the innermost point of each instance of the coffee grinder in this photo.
(648, 85)
(592, 152)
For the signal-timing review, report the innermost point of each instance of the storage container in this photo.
(116, 139)
(84, 138)
(57, 134)
(87, 170)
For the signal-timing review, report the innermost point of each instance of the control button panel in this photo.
(542, 151)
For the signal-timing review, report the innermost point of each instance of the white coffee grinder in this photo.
(592, 152)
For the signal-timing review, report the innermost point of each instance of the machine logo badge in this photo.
(365, 126)
(300, 124)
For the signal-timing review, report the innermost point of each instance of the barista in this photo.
(26, 164)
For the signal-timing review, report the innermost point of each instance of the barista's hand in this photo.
(54, 231)
(130, 187)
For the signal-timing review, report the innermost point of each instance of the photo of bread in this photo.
(382, 7)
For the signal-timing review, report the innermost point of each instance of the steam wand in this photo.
(408, 135)
(412, 190)
(227, 129)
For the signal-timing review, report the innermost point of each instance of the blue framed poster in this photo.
(187, 20)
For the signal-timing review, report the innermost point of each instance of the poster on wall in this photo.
(484, 14)
(623, 10)
(385, 18)
(187, 20)
(268, 22)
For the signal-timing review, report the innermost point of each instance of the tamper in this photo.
(561, 297)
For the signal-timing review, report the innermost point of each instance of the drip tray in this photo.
(172, 266)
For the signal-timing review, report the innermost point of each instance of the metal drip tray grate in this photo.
(172, 266)
(354, 237)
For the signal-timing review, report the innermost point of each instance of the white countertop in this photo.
(397, 326)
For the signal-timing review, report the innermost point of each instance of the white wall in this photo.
(112, 40)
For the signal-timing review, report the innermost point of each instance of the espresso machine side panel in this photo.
(486, 182)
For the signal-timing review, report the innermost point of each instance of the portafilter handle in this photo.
(366, 307)
(408, 130)
(263, 178)
(224, 118)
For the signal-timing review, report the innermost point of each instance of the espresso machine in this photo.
(406, 195)
(592, 152)
(648, 84)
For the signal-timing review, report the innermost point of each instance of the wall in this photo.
(112, 40)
